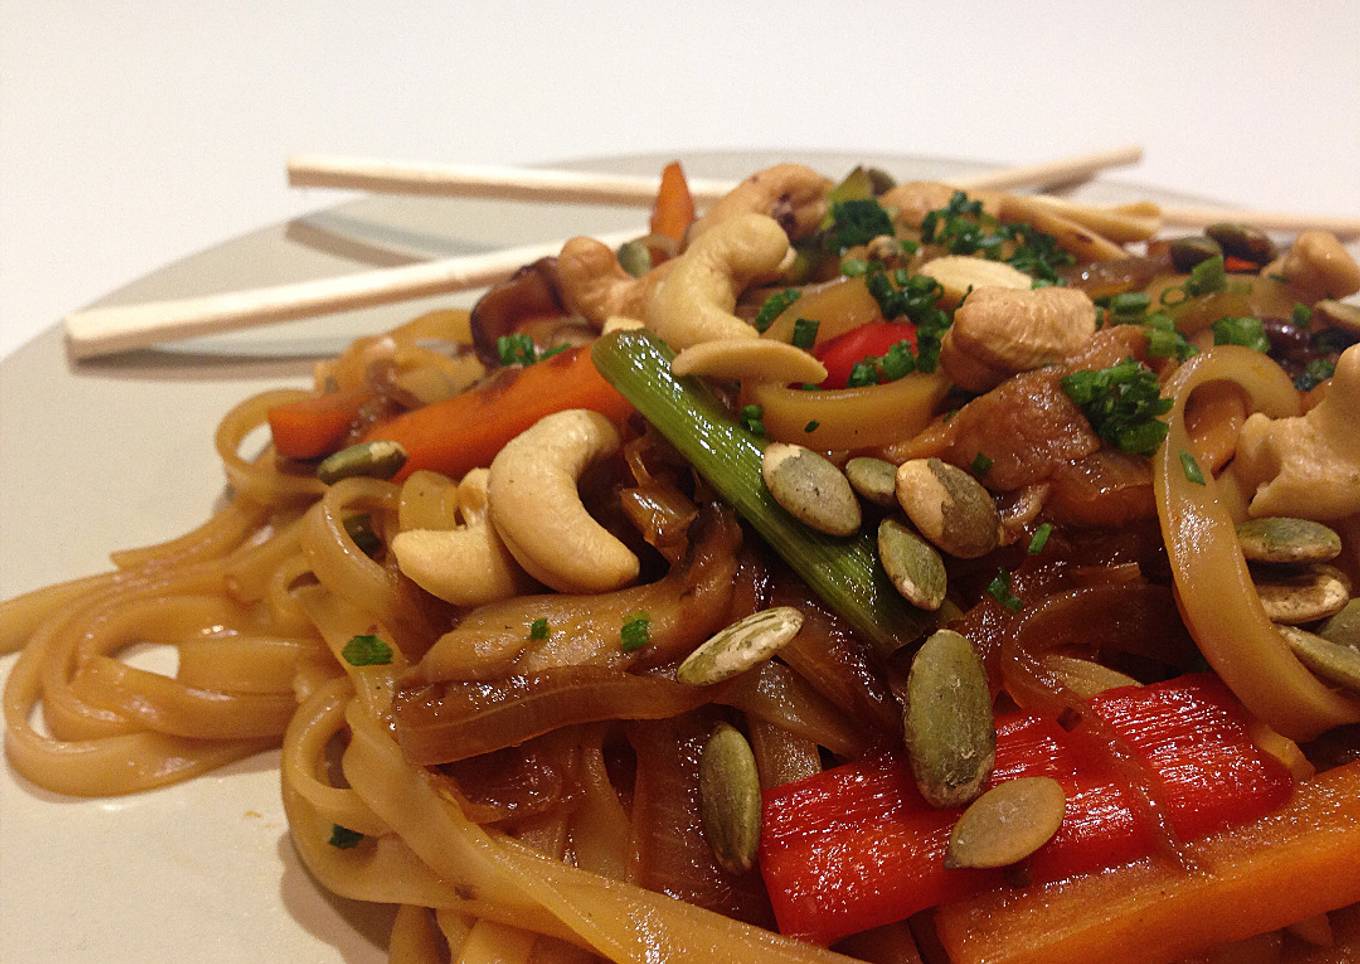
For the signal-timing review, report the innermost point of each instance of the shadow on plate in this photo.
(314, 908)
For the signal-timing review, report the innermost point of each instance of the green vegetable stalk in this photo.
(843, 572)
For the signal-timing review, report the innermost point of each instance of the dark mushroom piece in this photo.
(530, 294)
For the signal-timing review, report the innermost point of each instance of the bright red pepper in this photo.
(856, 847)
(1236, 265)
(841, 354)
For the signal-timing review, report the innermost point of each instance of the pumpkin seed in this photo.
(1287, 540)
(729, 799)
(1344, 627)
(1243, 241)
(1332, 661)
(948, 726)
(874, 480)
(1007, 823)
(811, 489)
(1190, 251)
(375, 460)
(1338, 314)
(635, 258)
(1302, 595)
(949, 507)
(1084, 677)
(913, 565)
(740, 646)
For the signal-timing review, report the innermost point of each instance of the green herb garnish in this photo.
(774, 306)
(1301, 316)
(981, 463)
(863, 373)
(805, 333)
(520, 350)
(344, 838)
(1040, 538)
(1247, 332)
(812, 426)
(1122, 403)
(963, 228)
(1314, 374)
(855, 222)
(1191, 468)
(538, 629)
(367, 651)
(636, 632)
(1000, 590)
(752, 419)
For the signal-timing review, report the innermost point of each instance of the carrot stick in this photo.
(466, 431)
(674, 209)
(315, 426)
(1284, 867)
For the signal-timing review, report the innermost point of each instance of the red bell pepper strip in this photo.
(856, 847)
(1235, 265)
(313, 427)
(841, 354)
(466, 431)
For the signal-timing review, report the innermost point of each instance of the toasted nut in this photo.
(740, 646)
(1242, 241)
(620, 323)
(1190, 251)
(729, 799)
(1318, 262)
(1303, 595)
(1016, 331)
(957, 274)
(887, 249)
(374, 460)
(949, 507)
(694, 302)
(1344, 627)
(1332, 661)
(537, 510)
(1338, 314)
(1278, 539)
(810, 488)
(635, 258)
(750, 359)
(1085, 678)
(915, 568)
(1007, 823)
(792, 194)
(594, 285)
(948, 726)
(873, 479)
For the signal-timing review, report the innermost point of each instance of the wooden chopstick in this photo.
(104, 331)
(1199, 216)
(538, 184)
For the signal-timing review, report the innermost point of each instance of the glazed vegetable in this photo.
(842, 571)
(856, 847)
(1280, 868)
(466, 431)
(313, 427)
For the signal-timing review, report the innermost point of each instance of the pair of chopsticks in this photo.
(103, 331)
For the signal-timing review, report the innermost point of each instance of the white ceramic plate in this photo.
(117, 453)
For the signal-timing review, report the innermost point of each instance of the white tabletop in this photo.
(134, 134)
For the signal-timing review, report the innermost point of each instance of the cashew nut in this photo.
(621, 323)
(753, 359)
(999, 332)
(915, 199)
(595, 286)
(794, 195)
(1320, 265)
(538, 512)
(1080, 240)
(469, 566)
(694, 302)
(957, 273)
(1309, 466)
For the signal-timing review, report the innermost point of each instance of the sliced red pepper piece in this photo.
(856, 847)
(1235, 265)
(841, 354)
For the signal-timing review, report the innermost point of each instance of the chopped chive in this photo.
(981, 463)
(538, 629)
(775, 306)
(636, 632)
(367, 651)
(1000, 590)
(1040, 539)
(805, 333)
(854, 267)
(1191, 468)
(864, 373)
(1301, 315)
(811, 426)
(1248, 332)
(752, 419)
(343, 838)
